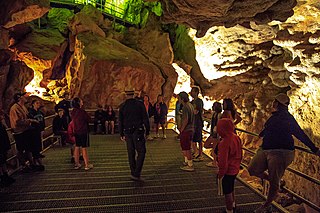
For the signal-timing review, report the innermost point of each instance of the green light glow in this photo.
(133, 11)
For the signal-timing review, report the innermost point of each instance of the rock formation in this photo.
(249, 54)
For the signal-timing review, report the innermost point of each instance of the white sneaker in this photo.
(88, 167)
(77, 166)
(187, 168)
(164, 137)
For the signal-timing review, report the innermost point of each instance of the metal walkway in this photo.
(108, 9)
(108, 188)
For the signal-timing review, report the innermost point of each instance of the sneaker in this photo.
(157, 135)
(211, 164)
(198, 158)
(149, 138)
(185, 163)
(263, 209)
(88, 167)
(164, 137)
(77, 166)
(187, 168)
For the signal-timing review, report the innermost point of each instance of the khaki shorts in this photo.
(275, 161)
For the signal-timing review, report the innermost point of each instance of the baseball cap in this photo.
(129, 91)
(18, 95)
(282, 99)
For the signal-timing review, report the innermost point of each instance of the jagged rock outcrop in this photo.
(203, 14)
(18, 76)
(16, 12)
(101, 69)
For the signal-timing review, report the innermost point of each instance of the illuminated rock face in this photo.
(258, 62)
(249, 63)
(101, 69)
(203, 14)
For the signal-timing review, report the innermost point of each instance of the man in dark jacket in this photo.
(134, 126)
(277, 150)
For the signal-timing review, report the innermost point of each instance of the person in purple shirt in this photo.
(80, 120)
(277, 150)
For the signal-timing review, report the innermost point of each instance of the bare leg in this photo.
(112, 127)
(76, 155)
(85, 156)
(157, 128)
(163, 129)
(194, 148)
(187, 153)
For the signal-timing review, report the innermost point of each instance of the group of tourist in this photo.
(274, 156)
(271, 160)
(104, 120)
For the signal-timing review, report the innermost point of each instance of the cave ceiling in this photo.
(247, 50)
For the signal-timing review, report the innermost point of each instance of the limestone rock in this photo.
(18, 77)
(16, 12)
(87, 20)
(101, 69)
(203, 14)
(43, 50)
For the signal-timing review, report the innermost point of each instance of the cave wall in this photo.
(84, 55)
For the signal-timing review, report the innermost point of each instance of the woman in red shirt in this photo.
(80, 120)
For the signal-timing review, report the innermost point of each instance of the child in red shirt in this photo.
(229, 159)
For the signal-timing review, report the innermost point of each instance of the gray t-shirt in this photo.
(187, 113)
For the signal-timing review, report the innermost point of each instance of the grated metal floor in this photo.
(108, 188)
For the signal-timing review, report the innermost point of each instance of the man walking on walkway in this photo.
(133, 127)
(277, 150)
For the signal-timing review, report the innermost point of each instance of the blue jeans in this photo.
(136, 142)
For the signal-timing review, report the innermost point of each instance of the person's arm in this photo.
(301, 135)
(184, 120)
(121, 122)
(238, 119)
(223, 154)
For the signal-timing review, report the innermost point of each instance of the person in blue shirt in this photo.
(277, 150)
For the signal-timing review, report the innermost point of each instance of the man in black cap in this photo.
(134, 126)
(277, 150)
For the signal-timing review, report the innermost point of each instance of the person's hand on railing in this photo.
(34, 121)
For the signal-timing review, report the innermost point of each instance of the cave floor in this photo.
(108, 188)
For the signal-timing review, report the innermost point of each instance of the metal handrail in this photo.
(117, 12)
(44, 139)
(294, 171)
